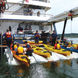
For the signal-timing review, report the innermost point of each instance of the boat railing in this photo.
(28, 14)
(48, 1)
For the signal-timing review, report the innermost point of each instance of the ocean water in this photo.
(59, 69)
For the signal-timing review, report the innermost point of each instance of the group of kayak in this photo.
(41, 49)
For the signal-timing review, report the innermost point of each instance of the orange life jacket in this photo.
(8, 34)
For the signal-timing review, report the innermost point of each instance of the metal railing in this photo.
(28, 14)
(48, 1)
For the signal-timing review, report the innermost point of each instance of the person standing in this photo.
(36, 37)
(19, 29)
(44, 37)
(53, 38)
(8, 37)
(10, 28)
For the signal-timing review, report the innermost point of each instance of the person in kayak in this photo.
(29, 49)
(37, 35)
(20, 50)
(57, 45)
(15, 46)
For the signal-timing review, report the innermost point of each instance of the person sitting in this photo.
(75, 46)
(57, 46)
(20, 50)
(29, 49)
(15, 46)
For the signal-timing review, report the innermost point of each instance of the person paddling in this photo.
(29, 49)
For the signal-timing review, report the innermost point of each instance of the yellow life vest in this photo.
(75, 46)
(20, 49)
(15, 46)
(58, 46)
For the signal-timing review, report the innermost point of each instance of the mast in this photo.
(62, 37)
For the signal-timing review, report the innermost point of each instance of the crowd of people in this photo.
(45, 37)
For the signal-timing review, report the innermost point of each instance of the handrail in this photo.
(48, 1)
(25, 14)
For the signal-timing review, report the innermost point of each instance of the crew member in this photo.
(53, 38)
(44, 37)
(19, 28)
(8, 37)
(29, 49)
(37, 37)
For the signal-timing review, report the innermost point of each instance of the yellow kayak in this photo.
(33, 42)
(41, 51)
(22, 58)
(60, 51)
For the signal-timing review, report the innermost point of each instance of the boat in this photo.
(33, 42)
(41, 51)
(60, 51)
(22, 58)
(70, 49)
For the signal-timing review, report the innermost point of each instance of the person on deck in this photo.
(53, 38)
(8, 36)
(44, 37)
(29, 49)
(37, 35)
(19, 29)
(10, 28)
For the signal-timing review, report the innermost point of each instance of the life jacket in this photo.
(75, 46)
(37, 35)
(20, 49)
(55, 46)
(28, 47)
(15, 46)
(58, 46)
(8, 34)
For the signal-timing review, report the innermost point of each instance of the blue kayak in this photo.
(69, 49)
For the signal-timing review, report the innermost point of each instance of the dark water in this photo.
(59, 69)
